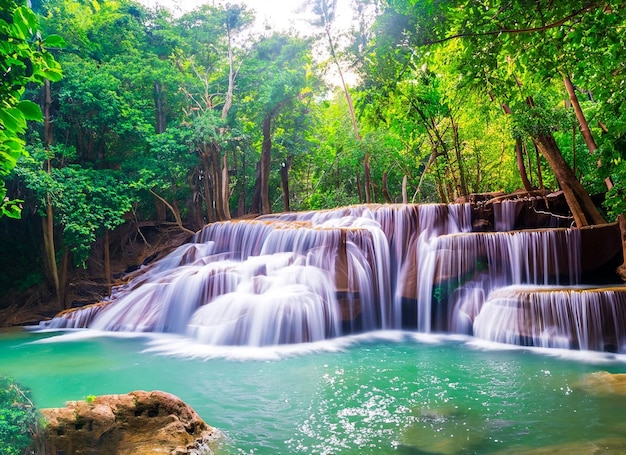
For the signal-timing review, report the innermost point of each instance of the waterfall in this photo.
(569, 318)
(305, 277)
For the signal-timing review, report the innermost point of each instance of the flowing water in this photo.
(322, 333)
(380, 393)
(306, 277)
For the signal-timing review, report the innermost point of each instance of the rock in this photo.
(603, 383)
(137, 423)
(613, 445)
(443, 431)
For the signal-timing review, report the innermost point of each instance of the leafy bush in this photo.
(19, 420)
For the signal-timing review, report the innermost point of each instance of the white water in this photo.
(584, 319)
(306, 277)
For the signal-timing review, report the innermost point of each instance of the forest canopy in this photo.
(112, 112)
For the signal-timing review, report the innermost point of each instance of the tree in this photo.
(211, 63)
(324, 11)
(86, 204)
(496, 46)
(24, 59)
(20, 423)
(96, 118)
(281, 62)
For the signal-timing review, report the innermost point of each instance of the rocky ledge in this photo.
(603, 383)
(137, 423)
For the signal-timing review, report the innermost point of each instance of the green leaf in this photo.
(7, 162)
(12, 209)
(52, 74)
(54, 41)
(27, 15)
(30, 110)
(13, 119)
(25, 21)
(12, 143)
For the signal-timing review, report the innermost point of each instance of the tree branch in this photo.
(174, 212)
(519, 31)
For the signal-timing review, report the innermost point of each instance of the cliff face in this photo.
(138, 423)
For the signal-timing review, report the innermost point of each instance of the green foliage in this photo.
(23, 60)
(19, 420)
(496, 56)
(330, 199)
(326, 176)
(85, 201)
(540, 119)
(615, 164)
(98, 112)
(165, 167)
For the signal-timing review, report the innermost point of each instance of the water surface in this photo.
(384, 393)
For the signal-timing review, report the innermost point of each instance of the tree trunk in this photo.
(457, 150)
(241, 186)
(429, 163)
(621, 270)
(440, 188)
(107, 260)
(175, 212)
(582, 207)
(161, 213)
(521, 168)
(52, 271)
(266, 156)
(284, 182)
(228, 102)
(224, 181)
(539, 168)
(450, 179)
(48, 220)
(159, 105)
(580, 116)
(216, 172)
(206, 183)
(358, 186)
(47, 115)
(386, 189)
(255, 207)
(368, 178)
(344, 86)
(584, 125)
(225, 187)
(519, 149)
(355, 126)
(405, 195)
(197, 213)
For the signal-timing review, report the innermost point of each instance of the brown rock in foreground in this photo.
(138, 423)
(604, 383)
(614, 445)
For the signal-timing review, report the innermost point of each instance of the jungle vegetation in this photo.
(113, 113)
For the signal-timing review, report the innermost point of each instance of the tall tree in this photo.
(324, 11)
(495, 44)
(24, 59)
(211, 59)
(282, 85)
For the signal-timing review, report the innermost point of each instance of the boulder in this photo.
(137, 423)
(610, 445)
(603, 383)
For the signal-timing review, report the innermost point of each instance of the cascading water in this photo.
(580, 318)
(304, 277)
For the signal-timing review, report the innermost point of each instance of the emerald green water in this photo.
(389, 393)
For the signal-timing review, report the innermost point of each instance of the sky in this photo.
(281, 15)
